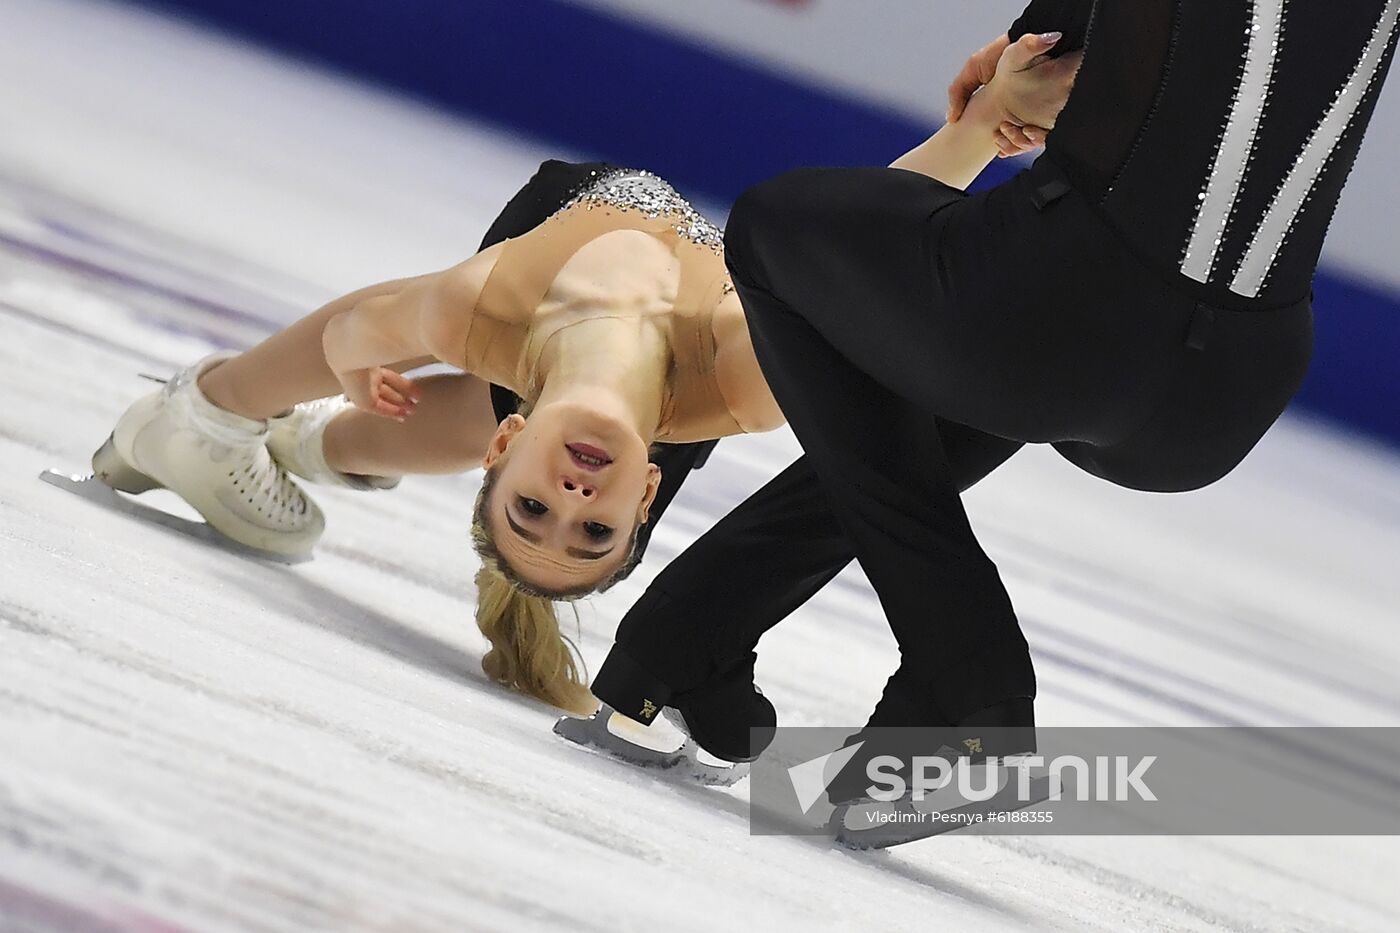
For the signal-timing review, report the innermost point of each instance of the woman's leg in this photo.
(447, 433)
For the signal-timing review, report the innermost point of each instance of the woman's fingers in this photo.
(391, 395)
(402, 384)
(388, 410)
(1027, 51)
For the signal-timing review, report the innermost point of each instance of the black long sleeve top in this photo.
(1070, 17)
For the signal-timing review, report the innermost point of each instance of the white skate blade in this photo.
(916, 825)
(683, 764)
(94, 490)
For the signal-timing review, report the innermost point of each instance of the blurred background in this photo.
(719, 94)
(192, 740)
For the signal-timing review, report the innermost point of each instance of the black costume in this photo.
(1139, 299)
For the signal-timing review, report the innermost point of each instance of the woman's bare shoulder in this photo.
(451, 299)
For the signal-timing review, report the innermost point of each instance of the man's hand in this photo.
(980, 69)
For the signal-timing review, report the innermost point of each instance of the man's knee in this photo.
(763, 212)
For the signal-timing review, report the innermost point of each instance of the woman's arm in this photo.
(1029, 90)
(958, 152)
(429, 317)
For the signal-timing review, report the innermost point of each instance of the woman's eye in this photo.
(533, 506)
(596, 530)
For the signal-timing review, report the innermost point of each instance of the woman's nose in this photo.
(579, 488)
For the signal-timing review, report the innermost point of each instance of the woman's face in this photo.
(571, 487)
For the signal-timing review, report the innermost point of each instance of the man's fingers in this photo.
(961, 90)
(979, 69)
(1018, 137)
(1013, 140)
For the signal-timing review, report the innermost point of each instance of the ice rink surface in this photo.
(191, 740)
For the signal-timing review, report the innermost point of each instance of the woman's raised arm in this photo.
(428, 317)
(1029, 90)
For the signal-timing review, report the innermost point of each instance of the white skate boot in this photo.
(215, 460)
(296, 442)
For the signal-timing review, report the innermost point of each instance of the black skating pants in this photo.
(916, 337)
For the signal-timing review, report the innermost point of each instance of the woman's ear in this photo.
(649, 494)
(500, 441)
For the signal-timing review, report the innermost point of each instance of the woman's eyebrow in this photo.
(527, 535)
(582, 554)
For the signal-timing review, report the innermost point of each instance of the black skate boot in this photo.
(727, 718)
(893, 805)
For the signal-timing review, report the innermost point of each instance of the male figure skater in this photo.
(1174, 224)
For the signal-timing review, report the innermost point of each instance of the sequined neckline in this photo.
(653, 196)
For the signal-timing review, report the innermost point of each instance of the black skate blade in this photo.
(94, 490)
(683, 764)
(916, 824)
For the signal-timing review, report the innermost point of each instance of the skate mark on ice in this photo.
(69, 330)
(1133, 889)
(1083, 580)
(99, 493)
(97, 270)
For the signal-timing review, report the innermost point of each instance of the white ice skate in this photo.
(216, 461)
(296, 442)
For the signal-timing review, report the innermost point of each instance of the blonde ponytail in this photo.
(528, 652)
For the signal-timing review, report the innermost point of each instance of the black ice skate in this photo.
(682, 764)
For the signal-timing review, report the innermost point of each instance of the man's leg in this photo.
(689, 641)
(886, 475)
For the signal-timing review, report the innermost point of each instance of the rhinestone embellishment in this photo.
(653, 196)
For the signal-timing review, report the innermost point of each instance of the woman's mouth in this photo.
(588, 456)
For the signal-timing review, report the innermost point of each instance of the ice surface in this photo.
(193, 740)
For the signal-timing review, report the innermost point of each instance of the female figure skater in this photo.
(1171, 230)
(601, 299)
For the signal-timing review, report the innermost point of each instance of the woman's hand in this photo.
(380, 391)
(1011, 139)
(1030, 89)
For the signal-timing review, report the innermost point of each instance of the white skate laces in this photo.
(257, 484)
(296, 441)
(215, 460)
